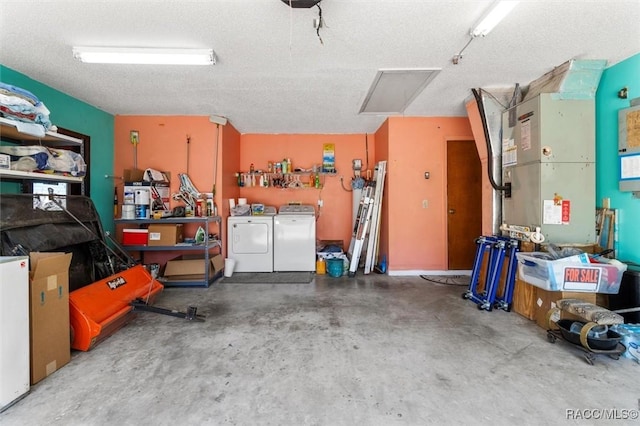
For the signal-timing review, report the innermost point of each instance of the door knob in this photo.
(452, 211)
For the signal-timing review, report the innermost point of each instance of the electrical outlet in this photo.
(320, 203)
(425, 204)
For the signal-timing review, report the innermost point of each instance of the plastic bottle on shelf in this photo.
(285, 166)
(252, 168)
(317, 180)
(210, 208)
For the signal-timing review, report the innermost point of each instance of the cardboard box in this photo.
(524, 299)
(545, 300)
(165, 234)
(574, 273)
(185, 268)
(137, 175)
(135, 237)
(49, 322)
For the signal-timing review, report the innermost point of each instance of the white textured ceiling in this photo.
(274, 76)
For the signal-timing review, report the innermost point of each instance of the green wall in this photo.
(80, 117)
(614, 78)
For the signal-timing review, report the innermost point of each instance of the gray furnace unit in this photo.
(548, 158)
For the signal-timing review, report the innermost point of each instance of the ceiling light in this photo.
(488, 22)
(393, 90)
(496, 13)
(144, 56)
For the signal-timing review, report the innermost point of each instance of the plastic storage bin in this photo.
(573, 273)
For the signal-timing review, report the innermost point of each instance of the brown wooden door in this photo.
(464, 203)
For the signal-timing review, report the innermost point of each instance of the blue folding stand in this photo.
(497, 248)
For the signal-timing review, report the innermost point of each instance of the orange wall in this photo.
(304, 150)
(417, 235)
(412, 237)
(163, 146)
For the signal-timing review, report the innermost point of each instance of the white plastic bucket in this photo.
(229, 264)
(128, 211)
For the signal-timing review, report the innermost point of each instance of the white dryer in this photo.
(294, 238)
(250, 241)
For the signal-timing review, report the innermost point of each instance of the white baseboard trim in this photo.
(416, 273)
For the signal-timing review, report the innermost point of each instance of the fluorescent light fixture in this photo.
(144, 56)
(393, 90)
(496, 13)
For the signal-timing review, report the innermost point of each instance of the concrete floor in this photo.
(372, 350)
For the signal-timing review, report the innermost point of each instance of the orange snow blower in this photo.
(98, 310)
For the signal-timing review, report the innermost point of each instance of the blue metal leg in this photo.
(495, 274)
(495, 249)
(472, 292)
(511, 273)
(504, 302)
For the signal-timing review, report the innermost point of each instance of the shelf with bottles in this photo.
(299, 179)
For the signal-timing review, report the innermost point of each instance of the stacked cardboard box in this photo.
(165, 234)
(49, 319)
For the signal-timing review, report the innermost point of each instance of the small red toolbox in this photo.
(135, 237)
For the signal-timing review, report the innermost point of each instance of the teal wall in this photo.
(80, 117)
(622, 74)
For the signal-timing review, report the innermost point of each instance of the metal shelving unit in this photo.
(9, 132)
(204, 247)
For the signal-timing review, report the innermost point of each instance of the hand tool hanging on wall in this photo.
(215, 170)
(188, 144)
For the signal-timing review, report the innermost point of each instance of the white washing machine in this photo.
(294, 238)
(250, 241)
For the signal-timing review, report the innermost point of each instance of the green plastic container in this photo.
(335, 267)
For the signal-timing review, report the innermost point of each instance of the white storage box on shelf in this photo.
(574, 273)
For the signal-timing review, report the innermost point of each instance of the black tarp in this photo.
(38, 229)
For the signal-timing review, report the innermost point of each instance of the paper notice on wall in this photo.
(551, 213)
(525, 135)
(630, 167)
(509, 153)
(556, 212)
